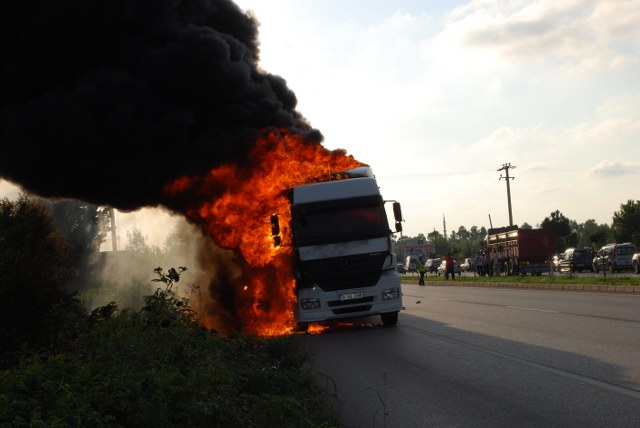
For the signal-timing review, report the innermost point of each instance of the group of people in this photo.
(448, 263)
(489, 263)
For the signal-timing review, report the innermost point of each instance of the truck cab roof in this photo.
(361, 183)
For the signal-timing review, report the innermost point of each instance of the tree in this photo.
(84, 227)
(584, 233)
(463, 233)
(600, 235)
(439, 241)
(34, 268)
(562, 228)
(626, 223)
(137, 243)
(434, 236)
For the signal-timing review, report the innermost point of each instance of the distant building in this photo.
(425, 250)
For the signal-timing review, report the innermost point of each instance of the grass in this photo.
(556, 278)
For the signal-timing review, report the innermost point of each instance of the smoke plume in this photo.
(108, 100)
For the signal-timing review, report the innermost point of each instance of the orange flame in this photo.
(239, 219)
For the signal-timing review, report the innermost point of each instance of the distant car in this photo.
(401, 269)
(442, 268)
(432, 265)
(615, 257)
(468, 265)
(410, 263)
(635, 261)
(575, 260)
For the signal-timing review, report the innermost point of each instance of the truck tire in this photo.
(389, 319)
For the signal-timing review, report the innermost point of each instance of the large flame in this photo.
(237, 215)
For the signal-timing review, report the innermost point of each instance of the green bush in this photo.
(34, 268)
(157, 367)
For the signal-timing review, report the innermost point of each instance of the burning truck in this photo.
(344, 264)
(172, 110)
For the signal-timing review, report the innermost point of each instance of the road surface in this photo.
(469, 357)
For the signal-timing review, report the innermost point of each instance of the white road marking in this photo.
(532, 309)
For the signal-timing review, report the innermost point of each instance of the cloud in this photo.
(580, 32)
(626, 105)
(608, 131)
(507, 140)
(616, 122)
(403, 20)
(614, 168)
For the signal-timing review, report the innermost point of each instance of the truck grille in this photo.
(337, 273)
(351, 310)
(335, 303)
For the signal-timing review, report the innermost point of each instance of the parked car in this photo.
(635, 261)
(615, 257)
(442, 268)
(575, 260)
(400, 268)
(468, 265)
(432, 265)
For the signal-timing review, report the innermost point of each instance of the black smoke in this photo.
(108, 100)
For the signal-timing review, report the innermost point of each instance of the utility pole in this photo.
(444, 227)
(114, 236)
(505, 168)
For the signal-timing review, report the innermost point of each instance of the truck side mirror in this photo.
(397, 214)
(397, 211)
(275, 229)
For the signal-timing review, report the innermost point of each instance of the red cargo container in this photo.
(522, 251)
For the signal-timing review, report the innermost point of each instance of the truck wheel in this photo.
(302, 327)
(390, 318)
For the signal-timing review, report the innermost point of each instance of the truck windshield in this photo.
(339, 221)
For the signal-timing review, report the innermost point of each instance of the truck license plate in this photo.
(352, 296)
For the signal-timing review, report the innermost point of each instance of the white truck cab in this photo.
(344, 263)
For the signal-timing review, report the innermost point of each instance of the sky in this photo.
(438, 96)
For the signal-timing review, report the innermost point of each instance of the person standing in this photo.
(480, 263)
(496, 264)
(448, 260)
(421, 269)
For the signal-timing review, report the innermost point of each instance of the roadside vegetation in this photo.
(465, 242)
(62, 365)
(556, 278)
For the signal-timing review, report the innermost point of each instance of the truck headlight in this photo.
(311, 303)
(390, 293)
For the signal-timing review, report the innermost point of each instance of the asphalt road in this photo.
(475, 357)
